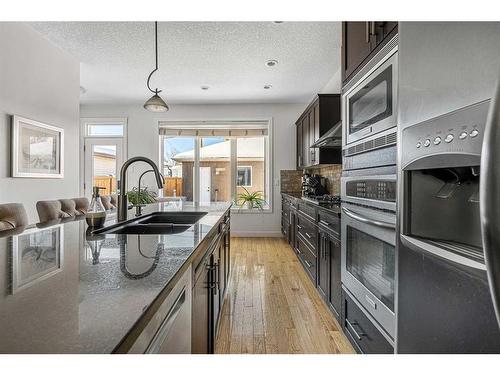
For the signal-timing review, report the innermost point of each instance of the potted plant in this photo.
(141, 197)
(251, 200)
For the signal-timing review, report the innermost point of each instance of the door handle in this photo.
(363, 219)
(308, 235)
(309, 264)
(166, 326)
(357, 334)
(489, 208)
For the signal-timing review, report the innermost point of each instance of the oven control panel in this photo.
(381, 190)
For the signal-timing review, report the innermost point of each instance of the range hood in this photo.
(332, 138)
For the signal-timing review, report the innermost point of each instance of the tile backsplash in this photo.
(291, 179)
(332, 175)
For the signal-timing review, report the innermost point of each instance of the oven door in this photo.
(368, 260)
(370, 106)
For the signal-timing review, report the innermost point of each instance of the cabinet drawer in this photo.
(307, 210)
(361, 331)
(329, 221)
(308, 231)
(307, 257)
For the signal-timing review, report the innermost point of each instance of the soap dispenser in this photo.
(96, 214)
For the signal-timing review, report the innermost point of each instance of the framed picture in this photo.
(37, 254)
(37, 149)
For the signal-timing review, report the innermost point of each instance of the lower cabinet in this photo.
(329, 268)
(211, 281)
(361, 331)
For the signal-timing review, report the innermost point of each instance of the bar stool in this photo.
(12, 215)
(62, 208)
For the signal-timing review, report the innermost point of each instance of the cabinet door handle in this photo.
(367, 32)
(309, 264)
(308, 235)
(356, 333)
(324, 223)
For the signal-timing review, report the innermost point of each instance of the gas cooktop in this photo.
(323, 200)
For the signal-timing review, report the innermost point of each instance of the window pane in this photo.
(251, 166)
(215, 169)
(105, 130)
(178, 163)
(104, 168)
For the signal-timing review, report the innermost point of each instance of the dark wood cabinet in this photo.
(335, 290)
(323, 265)
(319, 117)
(361, 41)
(200, 327)
(211, 279)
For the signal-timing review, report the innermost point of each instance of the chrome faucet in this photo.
(122, 197)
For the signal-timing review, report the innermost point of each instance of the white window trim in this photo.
(84, 122)
(268, 158)
(251, 174)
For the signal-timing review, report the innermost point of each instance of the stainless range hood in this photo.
(332, 138)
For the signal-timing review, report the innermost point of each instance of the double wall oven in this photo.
(369, 242)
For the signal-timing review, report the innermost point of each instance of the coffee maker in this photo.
(313, 185)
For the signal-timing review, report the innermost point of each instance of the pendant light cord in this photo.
(155, 91)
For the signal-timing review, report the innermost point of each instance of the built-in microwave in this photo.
(369, 106)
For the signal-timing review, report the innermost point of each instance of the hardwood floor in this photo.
(272, 306)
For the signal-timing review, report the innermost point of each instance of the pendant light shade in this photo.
(155, 103)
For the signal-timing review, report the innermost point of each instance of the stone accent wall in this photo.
(332, 174)
(291, 181)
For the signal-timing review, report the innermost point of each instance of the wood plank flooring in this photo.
(272, 306)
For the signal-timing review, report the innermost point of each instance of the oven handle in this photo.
(378, 223)
(489, 185)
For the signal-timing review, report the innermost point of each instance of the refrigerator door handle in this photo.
(489, 190)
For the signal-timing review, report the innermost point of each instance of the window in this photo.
(244, 176)
(94, 127)
(215, 162)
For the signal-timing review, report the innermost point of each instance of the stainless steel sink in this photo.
(156, 223)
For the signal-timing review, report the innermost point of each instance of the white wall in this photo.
(41, 82)
(143, 140)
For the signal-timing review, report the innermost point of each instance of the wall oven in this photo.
(370, 105)
(369, 242)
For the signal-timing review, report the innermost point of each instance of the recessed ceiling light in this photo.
(205, 88)
(267, 87)
(271, 63)
(278, 21)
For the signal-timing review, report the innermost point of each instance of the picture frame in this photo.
(37, 254)
(37, 149)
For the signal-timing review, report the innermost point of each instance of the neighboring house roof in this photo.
(248, 149)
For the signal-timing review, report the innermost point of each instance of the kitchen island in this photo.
(65, 290)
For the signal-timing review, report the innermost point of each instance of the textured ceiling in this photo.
(229, 57)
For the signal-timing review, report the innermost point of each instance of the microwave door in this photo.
(490, 199)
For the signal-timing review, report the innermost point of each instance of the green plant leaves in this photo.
(144, 196)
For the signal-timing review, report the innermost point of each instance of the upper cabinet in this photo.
(361, 41)
(319, 117)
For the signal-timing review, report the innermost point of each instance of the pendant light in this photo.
(155, 103)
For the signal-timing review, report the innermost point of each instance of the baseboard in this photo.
(256, 234)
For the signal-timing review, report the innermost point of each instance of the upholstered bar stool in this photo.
(108, 201)
(12, 215)
(62, 208)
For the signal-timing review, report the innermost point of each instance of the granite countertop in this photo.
(332, 208)
(66, 291)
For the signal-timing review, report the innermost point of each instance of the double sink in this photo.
(155, 223)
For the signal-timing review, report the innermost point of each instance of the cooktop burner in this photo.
(323, 199)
